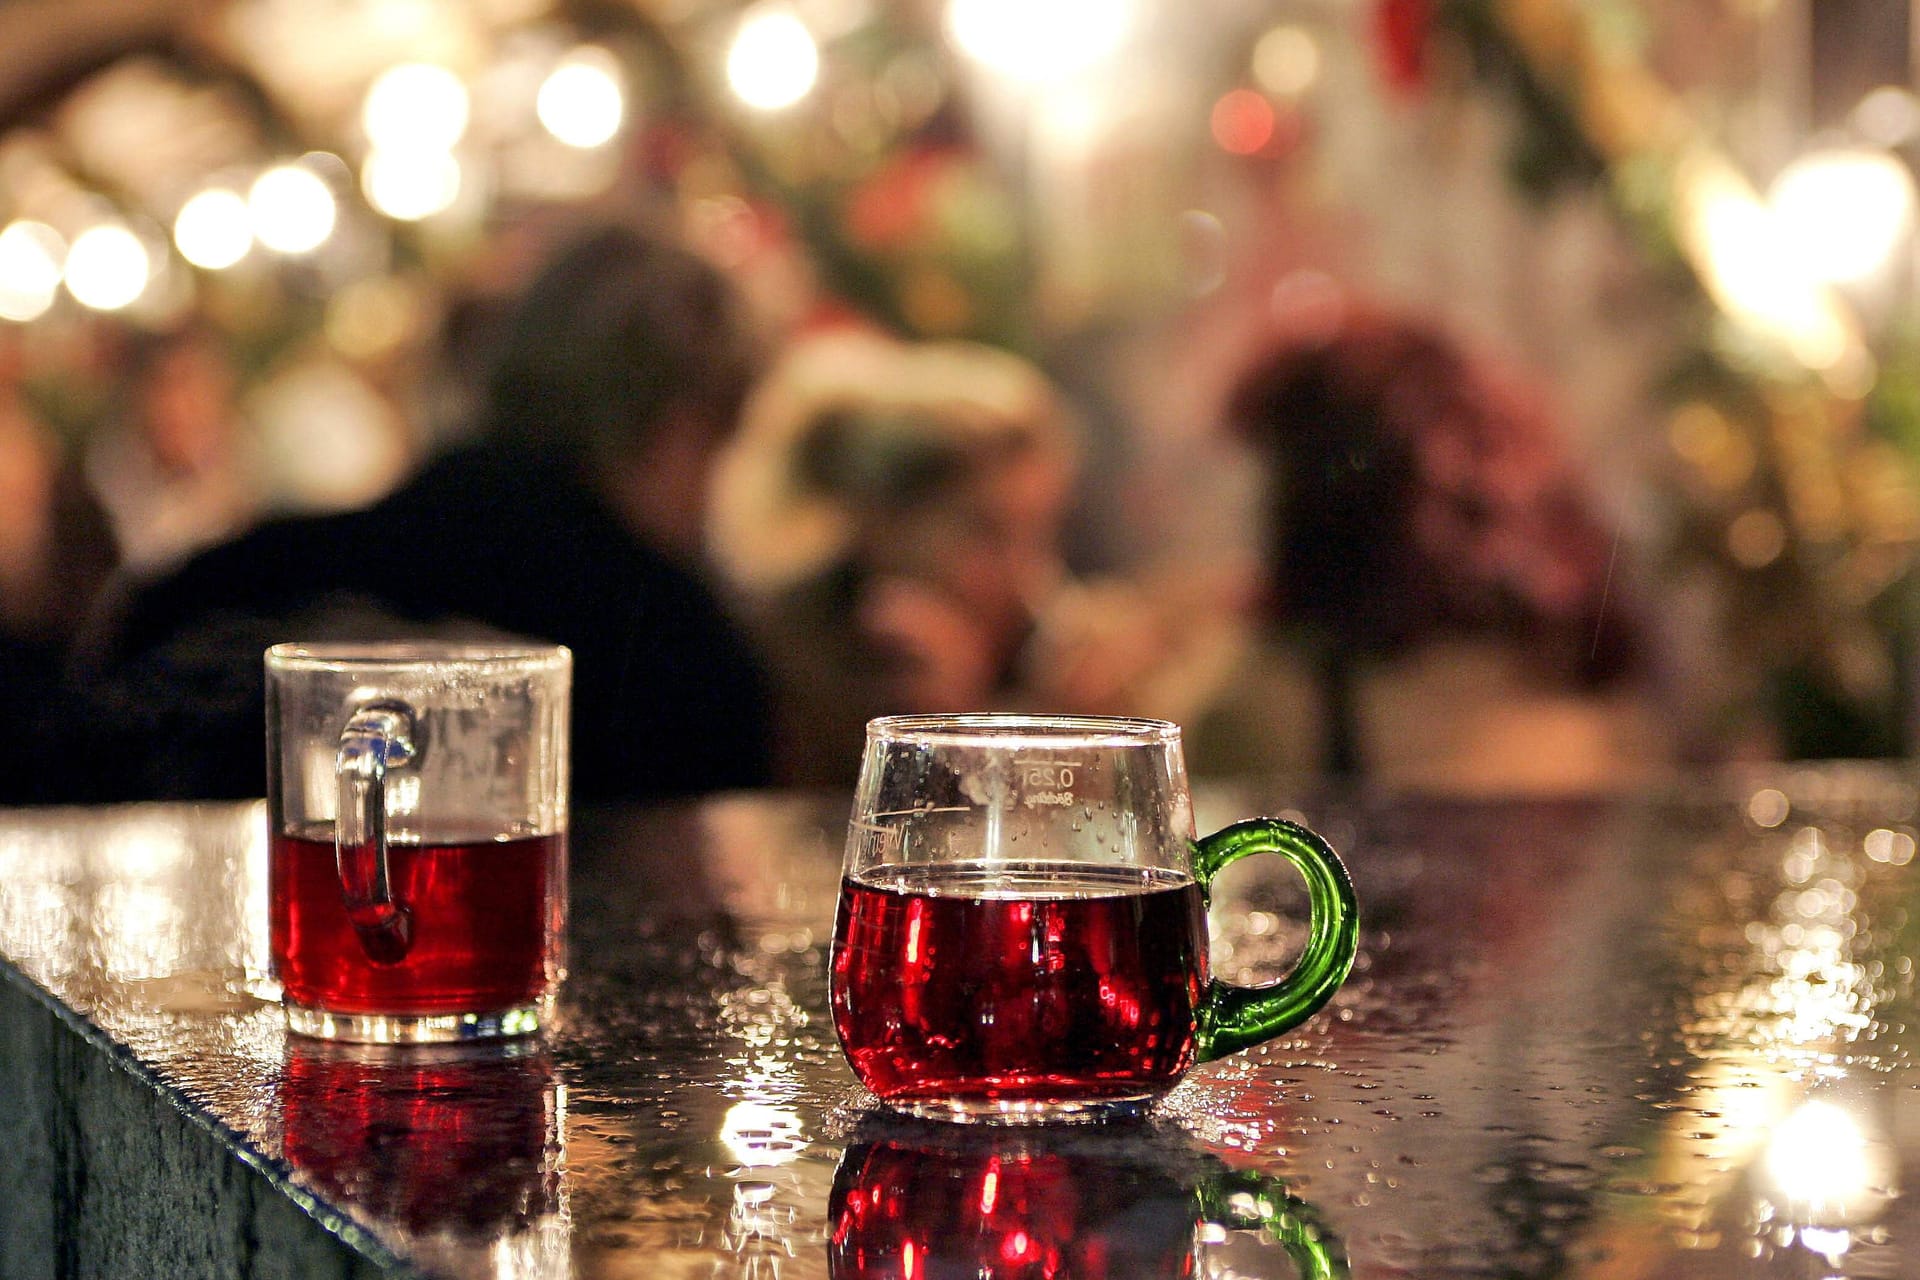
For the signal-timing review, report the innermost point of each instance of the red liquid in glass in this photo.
(1023, 982)
(478, 923)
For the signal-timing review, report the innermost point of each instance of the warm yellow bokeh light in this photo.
(416, 105)
(1036, 40)
(292, 208)
(1286, 61)
(582, 102)
(31, 254)
(214, 229)
(1751, 269)
(1845, 212)
(410, 185)
(107, 267)
(773, 62)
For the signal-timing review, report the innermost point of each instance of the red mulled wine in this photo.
(1018, 982)
(477, 915)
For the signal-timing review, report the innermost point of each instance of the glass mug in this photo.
(417, 796)
(1022, 927)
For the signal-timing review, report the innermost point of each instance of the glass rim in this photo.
(465, 655)
(1006, 729)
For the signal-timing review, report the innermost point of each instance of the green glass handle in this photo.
(1231, 1017)
(1247, 1201)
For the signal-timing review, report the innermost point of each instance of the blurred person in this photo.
(56, 555)
(891, 515)
(1442, 609)
(177, 469)
(574, 515)
(57, 549)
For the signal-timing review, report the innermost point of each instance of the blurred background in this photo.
(250, 252)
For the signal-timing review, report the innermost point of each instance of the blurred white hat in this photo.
(851, 419)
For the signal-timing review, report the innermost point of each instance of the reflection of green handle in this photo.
(1246, 1201)
(1232, 1018)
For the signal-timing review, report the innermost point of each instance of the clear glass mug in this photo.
(417, 797)
(1022, 929)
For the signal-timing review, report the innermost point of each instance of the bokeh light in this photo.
(1242, 122)
(1845, 212)
(1036, 40)
(1888, 116)
(213, 230)
(410, 184)
(1756, 538)
(1824, 1164)
(1286, 60)
(1752, 271)
(773, 62)
(293, 210)
(581, 102)
(107, 267)
(415, 105)
(31, 254)
(371, 318)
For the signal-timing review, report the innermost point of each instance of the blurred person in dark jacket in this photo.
(573, 515)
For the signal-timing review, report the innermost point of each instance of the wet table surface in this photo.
(1660, 1036)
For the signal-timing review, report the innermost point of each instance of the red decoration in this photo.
(1401, 29)
(894, 205)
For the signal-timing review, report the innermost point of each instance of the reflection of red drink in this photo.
(426, 1138)
(1018, 982)
(478, 920)
(902, 1207)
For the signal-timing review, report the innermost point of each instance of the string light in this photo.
(1286, 61)
(773, 62)
(1844, 211)
(1035, 40)
(213, 230)
(31, 254)
(581, 102)
(415, 106)
(107, 267)
(410, 184)
(293, 212)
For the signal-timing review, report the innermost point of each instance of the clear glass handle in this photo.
(377, 737)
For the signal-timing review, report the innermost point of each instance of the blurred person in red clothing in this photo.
(1444, 607)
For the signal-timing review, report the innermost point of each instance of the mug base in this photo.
(434, 1028)
(1007, 1111)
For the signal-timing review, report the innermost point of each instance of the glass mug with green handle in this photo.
(1022, 929)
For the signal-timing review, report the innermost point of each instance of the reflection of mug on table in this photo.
(431, 1138)
(1022, 929)
(1093, 1203)
(418, 802)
